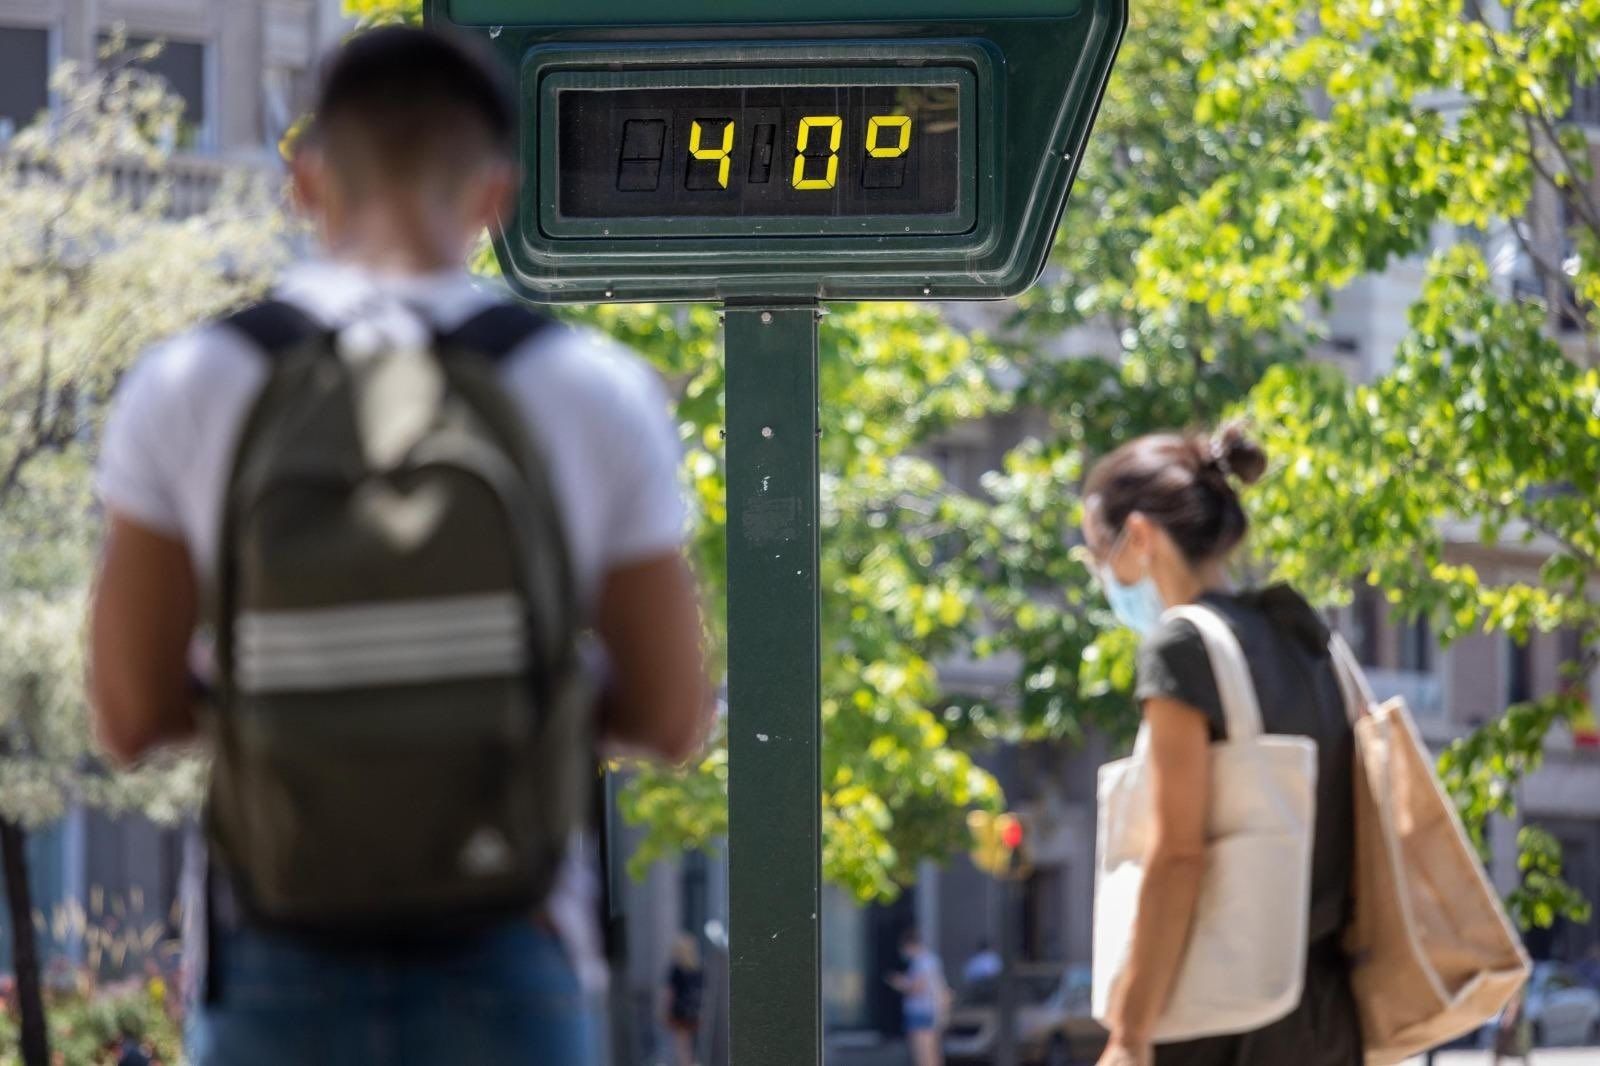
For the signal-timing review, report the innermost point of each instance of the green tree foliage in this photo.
(97, 262)
(894, 786)
(1410, 119)
(1099, 368)
(374, 12)
(98, 259)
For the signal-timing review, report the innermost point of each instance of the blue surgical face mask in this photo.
(1137, 606)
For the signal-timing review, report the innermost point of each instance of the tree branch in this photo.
(1588, 207)
(13, 474)
(1578, 551)
(1552, 276)
(1584, 202)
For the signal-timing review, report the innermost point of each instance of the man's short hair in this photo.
(399, 104)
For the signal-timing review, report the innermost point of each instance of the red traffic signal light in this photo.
(997, 842)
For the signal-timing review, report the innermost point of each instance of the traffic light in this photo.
(997, 843)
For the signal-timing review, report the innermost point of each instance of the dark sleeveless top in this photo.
(1286, 645)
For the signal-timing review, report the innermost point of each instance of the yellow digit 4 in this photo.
(721, 155)
(835, 127)
(901, 124)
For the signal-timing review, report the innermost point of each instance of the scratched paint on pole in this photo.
(773, 686)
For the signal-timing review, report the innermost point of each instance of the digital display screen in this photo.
(769, 151)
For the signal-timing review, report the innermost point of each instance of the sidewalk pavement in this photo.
(1540, 1057)
(892, 1055)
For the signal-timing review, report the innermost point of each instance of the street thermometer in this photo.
(771, 156)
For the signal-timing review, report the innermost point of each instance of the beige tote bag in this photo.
(1433, 954)
(1244, 965)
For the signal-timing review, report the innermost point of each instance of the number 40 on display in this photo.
(816, 161)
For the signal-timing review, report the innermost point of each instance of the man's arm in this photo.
(145, 608)
(649, 621)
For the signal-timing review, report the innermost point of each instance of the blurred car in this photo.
(1053, 1024)
(1561, 1009)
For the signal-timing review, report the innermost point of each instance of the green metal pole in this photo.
(774, 699)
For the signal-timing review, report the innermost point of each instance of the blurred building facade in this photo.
(242, 67)
(244, 70)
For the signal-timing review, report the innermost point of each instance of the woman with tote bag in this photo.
(1236, 688)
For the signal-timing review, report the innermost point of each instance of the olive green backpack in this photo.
(401, 724)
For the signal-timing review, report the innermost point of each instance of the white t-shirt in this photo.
(598, 414)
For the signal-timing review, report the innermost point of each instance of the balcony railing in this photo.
(190, 182)
(1585, 104)
(1423, 693)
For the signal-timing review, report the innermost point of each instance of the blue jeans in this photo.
(507, 996)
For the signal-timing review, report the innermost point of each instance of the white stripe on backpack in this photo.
(387, 643)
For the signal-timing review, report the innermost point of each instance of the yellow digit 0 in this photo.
(901, 124)
(835, 127)
(721, 155)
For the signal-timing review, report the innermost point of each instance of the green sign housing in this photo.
(660, 142)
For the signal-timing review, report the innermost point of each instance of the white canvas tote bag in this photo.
(1244, 965)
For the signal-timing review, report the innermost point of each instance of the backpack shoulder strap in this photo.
(493, 335)
(497, 331)
(274, 326)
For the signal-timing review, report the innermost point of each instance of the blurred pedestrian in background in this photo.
(927, 999)
(684, 995)
(1162, 520)
(1513, 1035)
(985, 965)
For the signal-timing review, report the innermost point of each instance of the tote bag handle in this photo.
(1358, 697)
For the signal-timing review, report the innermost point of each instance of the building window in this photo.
(1519, 671)
(1416, 646)
(1571, 315)
(1571, 651)
(845, 962)
(24, 77)
(1366, 624)
(182, 65)
(1585, 103)
(1044, 915)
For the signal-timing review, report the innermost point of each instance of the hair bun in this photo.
(1236, 454)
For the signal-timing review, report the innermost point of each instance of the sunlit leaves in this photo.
(1483, 433)
(893, 377)
(1302, 144)
(376, 12)
(98, 260)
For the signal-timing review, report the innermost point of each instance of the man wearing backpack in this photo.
(354, 535)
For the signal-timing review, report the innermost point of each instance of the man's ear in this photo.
(308, 173)
(496, 196)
